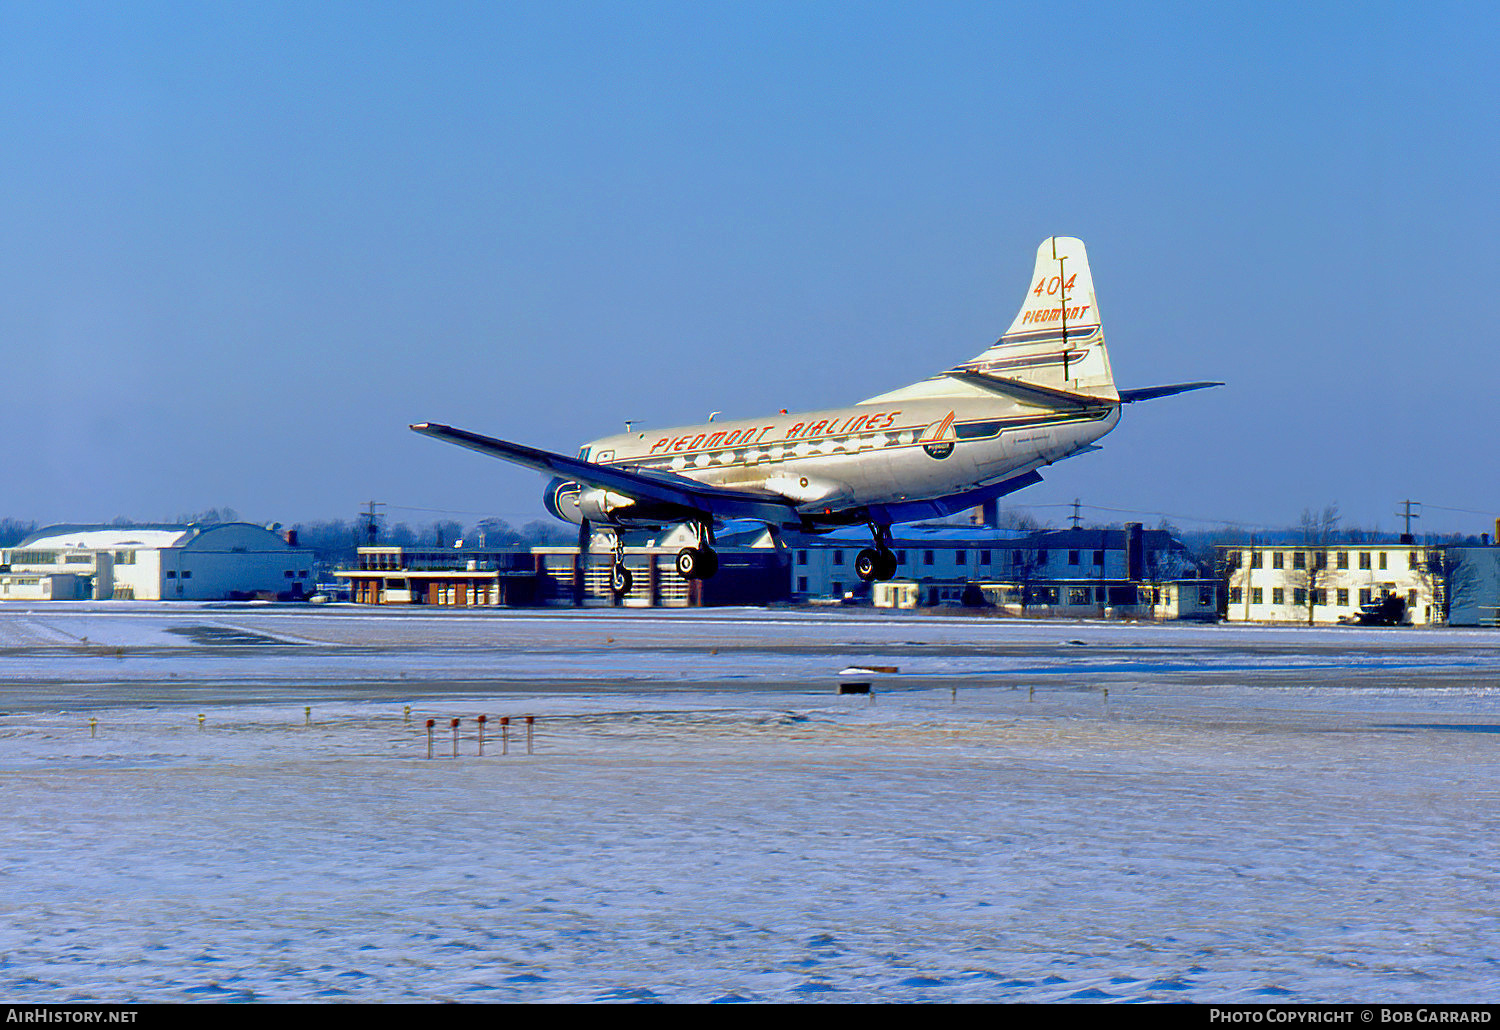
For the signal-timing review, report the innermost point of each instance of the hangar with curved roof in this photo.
(218, 561)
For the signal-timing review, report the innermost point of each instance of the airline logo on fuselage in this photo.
(938, 440)
(756, 434)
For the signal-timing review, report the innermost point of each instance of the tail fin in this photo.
(1057, 339)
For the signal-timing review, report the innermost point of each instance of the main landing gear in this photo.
(878, 562)
(702, 561)
(619, 576)
(620, 580)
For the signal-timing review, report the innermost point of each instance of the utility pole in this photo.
(372, 520)
(1408, 515)
(1077, 518)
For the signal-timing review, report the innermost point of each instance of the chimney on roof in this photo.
(1135, 552)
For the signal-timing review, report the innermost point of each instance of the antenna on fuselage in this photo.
(714, 415)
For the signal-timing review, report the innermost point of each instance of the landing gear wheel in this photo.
(886, 565)
(619, 579)
(867, 565)
(697, 562)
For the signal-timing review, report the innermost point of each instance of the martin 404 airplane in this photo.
(1043, 392)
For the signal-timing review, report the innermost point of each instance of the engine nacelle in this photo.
(573, 502)
(561, 501)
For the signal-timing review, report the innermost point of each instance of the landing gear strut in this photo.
(702, 561)
(878, 562)
(619, 576)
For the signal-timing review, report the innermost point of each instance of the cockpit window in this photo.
(583, 455)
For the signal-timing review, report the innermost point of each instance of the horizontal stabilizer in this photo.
(1150, 393)
(1031, 393)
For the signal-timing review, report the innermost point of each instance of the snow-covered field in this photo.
(1026, 811)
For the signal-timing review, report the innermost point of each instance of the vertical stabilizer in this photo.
(1057, 338)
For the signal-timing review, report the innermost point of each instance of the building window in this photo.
(188, 573)
(1364, 597)
(1078, 595)
(927, 557)
(1299, 597)
(1320, 597)
(801, 557)
(1255, 559)
(959, 557)
(1278, 560)
(1343, 559)
(1343, 598)
(984, 557)
(838, 589)
(838, 557)
(1205, 597)
(1099, 558)
(1299, 560)
(1278, 595)
(1072, 557)
(1255, 595)
(1099, 595)
(900, 557)
(801, 584)
(171, 574)
(1364, 559)
(1382, 559)
(1234, 595)
(1411, 560)
(1041, 557)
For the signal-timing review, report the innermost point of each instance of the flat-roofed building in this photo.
(1330, 583)
(1128, 572)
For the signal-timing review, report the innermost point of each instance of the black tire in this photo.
(886, 566)
(689, 563)
(708, 562)
(867, 565)
(620, 579)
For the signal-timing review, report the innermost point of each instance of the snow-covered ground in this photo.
(1026, 811)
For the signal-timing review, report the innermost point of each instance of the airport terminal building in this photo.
(220, 561)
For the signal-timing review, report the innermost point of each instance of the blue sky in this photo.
(243, 246)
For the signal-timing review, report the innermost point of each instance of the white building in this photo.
(222, 561)
(1329, 583)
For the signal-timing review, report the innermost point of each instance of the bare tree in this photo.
(1318, 529)
(1445, 577)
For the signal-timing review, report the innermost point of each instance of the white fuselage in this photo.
(913, 449)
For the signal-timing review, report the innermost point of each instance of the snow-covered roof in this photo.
(106, 538)
(158, 535)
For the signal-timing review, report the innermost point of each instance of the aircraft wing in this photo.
(1150, 393)
(653, 485)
